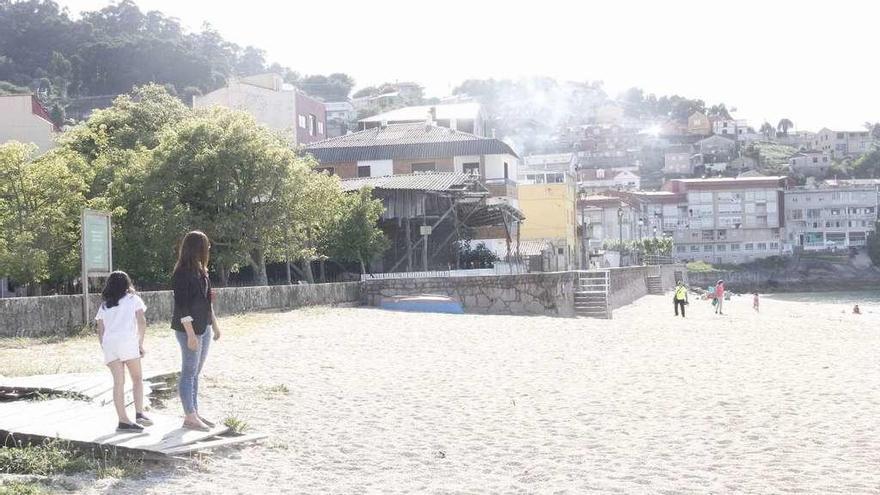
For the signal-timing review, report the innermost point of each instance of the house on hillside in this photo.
(23, 118)
(842, 144)
(810, 163)
(340, 117)
(465, 117)
(600, 179)
(699, 124)
(273, 103)
(680, 160)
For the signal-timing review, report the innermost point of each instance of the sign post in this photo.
(425, 230)
(97, 251)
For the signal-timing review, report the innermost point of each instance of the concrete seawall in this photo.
(539, 294)
(544, 294)
(61, 315)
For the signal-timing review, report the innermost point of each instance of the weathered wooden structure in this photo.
(427, 215)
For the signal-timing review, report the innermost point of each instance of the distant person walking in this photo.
(719, 297)
(193, 321)
(121, 328)
(680, 298)
(756, 303)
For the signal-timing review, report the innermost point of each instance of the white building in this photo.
(810, 163)
(841, 144)
(825, 217)
(598, 179)
(464, 117)
(273, 103)
(23, 118)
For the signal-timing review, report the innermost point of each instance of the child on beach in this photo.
(756, 302)
(121, 328)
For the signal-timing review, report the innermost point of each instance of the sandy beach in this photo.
(360, 400)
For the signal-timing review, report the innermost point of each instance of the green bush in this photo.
(700, 267)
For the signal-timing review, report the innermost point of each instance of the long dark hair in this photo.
(194, 253)
(118, 286)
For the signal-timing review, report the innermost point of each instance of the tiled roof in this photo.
(442, 181)
(404, 141)
(526, 248)
(420, 113)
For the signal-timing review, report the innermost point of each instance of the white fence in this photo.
(500, 269)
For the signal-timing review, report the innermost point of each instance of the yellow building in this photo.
(550, 216)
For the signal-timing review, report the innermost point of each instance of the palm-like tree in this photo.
(784, 125)
(767, 130)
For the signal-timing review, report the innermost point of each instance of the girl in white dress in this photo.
(121, 328)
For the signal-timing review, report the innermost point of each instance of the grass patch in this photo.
(700, 267)
(21, 488)
(277, 390)
(235, 425)
(53, 457)
(48, 458)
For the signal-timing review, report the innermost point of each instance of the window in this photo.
(680, 249)
(474, 169)
(708, 235)
(695, 249)
(313, 125)
(835, 211)
(506, 176)
(815, 160)
(762, 246)
(302, 121)
(364, 171)
(326, 170)
(734, 247)
(707, 248)
(423, 167)
(774, 246)
(320, 127)
(750, 247)
(722, 248)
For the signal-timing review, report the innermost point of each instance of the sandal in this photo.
(210, 424)
(188, 426)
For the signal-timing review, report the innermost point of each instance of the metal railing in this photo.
(478, 272)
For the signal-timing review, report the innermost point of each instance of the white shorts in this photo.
(120, 350)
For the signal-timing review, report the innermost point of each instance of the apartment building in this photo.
(825, 217)
(550, 216)
(723, 220)
(842, 144)
(273, 103)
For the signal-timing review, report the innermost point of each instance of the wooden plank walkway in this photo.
(92, 421)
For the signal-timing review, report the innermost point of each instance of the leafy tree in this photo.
(311, 201)
(479, 256)
(40, 205)
(232, 176)
(767, 130)
(867, 165)
(7, 88)
(354, 234)
(784, 125)
(334, 87)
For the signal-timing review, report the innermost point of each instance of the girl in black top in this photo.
(193, 321)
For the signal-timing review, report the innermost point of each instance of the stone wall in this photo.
(61, 315)
(630, 283)
(544, 294)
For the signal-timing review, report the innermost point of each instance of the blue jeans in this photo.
(188, 386)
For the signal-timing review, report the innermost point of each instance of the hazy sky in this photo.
(813, 62)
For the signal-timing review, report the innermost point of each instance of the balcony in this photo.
(501, 188)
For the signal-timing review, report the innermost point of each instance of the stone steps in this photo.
(591, 295)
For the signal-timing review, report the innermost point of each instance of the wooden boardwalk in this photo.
(84, 415)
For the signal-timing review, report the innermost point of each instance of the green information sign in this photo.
(97, 258)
